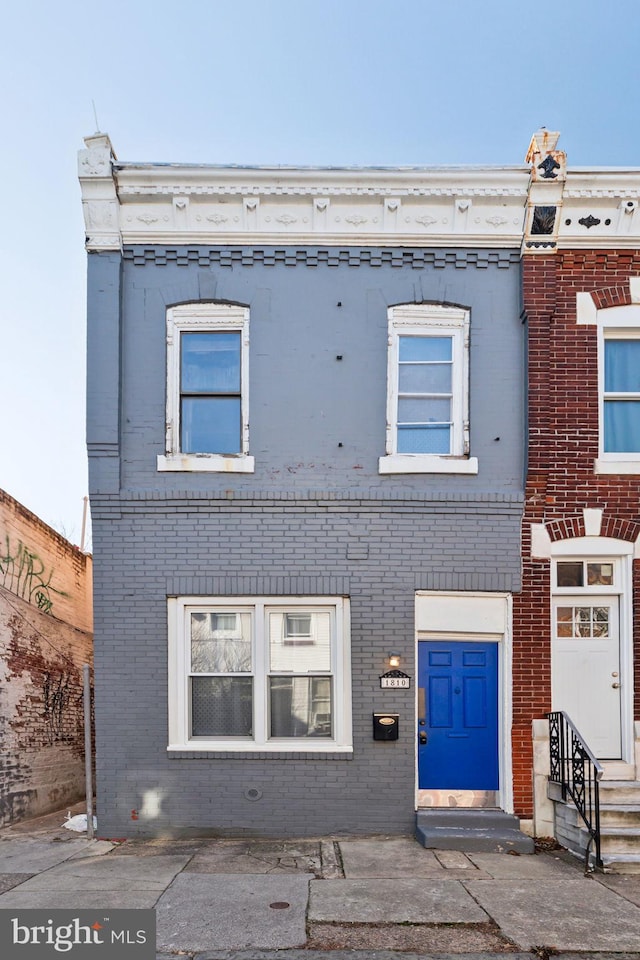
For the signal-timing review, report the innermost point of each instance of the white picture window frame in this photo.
(209, 317)
(614, 323)
(438, 321)
(179, 610)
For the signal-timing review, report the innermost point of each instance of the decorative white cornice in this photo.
(540, 207)
(271, 205)
(129, 204)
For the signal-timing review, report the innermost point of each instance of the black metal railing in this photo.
(574, 767)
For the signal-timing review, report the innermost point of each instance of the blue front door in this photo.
(457, 715)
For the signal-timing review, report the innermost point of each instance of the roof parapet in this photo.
(99, 196)
(546, 162)
(132, 204)
(539, 207)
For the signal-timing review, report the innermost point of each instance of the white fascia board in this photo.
(350, 239)
(607, 201)
(602, 181)
(148, 179)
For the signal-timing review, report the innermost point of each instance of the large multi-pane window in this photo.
(428, 391)
(260, 673)
(207, 389)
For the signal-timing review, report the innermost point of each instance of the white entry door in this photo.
(585, 668)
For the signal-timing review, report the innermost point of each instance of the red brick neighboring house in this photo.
(46, 626)
(577, 621)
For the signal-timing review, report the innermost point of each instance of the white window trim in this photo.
(623, 322)
(204, 317)
(420, 319)
(178, 704)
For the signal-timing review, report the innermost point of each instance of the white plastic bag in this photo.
(78, 823)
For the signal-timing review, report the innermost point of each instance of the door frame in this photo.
(473, 616)
(621, 554)
(588, 599)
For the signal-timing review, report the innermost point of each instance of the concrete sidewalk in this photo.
(326, 899)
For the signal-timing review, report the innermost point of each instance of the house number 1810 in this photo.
(396, 682)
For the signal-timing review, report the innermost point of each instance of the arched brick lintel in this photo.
(567, 528)
(617, 296)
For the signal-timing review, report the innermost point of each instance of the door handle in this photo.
(422, 736)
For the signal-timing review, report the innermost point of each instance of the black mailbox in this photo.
(385, 726)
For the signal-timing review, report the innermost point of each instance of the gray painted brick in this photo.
(306, 523)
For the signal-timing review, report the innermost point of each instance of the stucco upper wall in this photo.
(316, 422)
(39, 565)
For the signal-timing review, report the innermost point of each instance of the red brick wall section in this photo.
(39, 565)
(563, 438)
(45, 638)
(41, 710)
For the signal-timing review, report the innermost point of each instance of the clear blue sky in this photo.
(370, 82)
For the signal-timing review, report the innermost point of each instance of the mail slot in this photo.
(385, 726)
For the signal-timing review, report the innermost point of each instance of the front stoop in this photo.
(471, 830)
(619, 826)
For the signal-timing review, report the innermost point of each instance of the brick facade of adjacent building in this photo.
(45, 638)
(561, 482)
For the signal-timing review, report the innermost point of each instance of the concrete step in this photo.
(620, 840)
(626, 863)
(620, 815)
(471, 830)
(619, 826)
(620, 791)
(612, 817)
(617, 843)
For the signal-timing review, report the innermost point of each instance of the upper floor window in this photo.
(618, 388)
(621, 395)
(207, 388)
(428, 391)
(210, 392)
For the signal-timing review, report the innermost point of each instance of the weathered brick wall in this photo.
(563, 444)
(39, 565)
(45, 618)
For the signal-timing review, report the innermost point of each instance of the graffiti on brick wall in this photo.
(49, 709)
(24, 573)
(57, 692)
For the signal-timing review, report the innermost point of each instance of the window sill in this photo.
(617, 466)
(421, 463)
(249, 748)
(205, 463)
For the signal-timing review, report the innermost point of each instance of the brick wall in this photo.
(563, 444)
(39, 565)
(45, 623)
(316, 517)
(149, 549)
